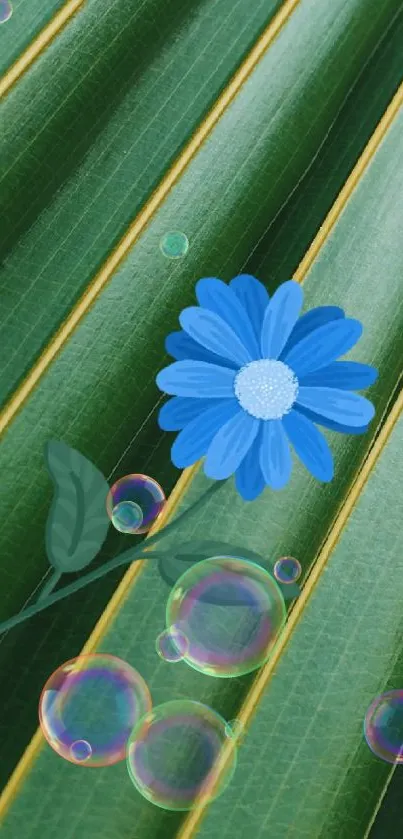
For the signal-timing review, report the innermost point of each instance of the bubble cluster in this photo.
(230, 610)
(287, 569)
(6, 11)
(89, 707)
(172, 645)
(143, 501)
(174, 244)
(180, 752)
(383, 726)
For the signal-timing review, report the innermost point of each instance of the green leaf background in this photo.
(253, 198)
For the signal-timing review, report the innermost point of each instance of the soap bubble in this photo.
(127, 517)
(287, 569)
(180, 752)
(80, 751)
(89, 706)
(230, 610)
(172, 645)
(144, 493)
(174, 244)
(383, 726)
(6, 10)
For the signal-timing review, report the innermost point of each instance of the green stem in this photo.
(124, 559)
(49, 586)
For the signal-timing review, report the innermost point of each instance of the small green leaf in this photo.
(78, 522)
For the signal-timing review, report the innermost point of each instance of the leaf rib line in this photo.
(38, 45)
(144, 217)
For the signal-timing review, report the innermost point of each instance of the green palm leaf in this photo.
(304, 766)
(107, 108)
(362, 108)
(134, 315)
(275, 524)
(258, 154)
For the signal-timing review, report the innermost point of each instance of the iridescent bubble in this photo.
(6, 11)
(179, 753)
(287, 569)
(172, 645)
(383, 726)
(174, 244)
(80, 751)
(89, 707)
(142, 491)
(127, 517)
(230, 611)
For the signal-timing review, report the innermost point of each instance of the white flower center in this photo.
(266, 389)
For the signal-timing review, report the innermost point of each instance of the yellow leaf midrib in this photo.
(193, 821)
(187, 476)
(144, 217)
(39, 45)
(83, 306)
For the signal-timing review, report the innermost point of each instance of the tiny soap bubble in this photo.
(127, 517)
(172, 645)
(174, 244)
(287, 569)
(141, 497)
(80, 751)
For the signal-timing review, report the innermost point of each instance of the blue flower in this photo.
(252, 378)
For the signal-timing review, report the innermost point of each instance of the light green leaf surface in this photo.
(363, 246)
(304, 768)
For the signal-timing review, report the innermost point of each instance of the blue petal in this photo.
(327, 423)
(310, 446)
(197, 379)
(182, 346)
(347, 375)
(253, 298)
(280, 318)
(178, 411)
(219, 298)
(323, 345)
(310, 321)
(192, 443)
(214, 334)
(275, 455)
(249, 480)
(230, 445)
(338, 405)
